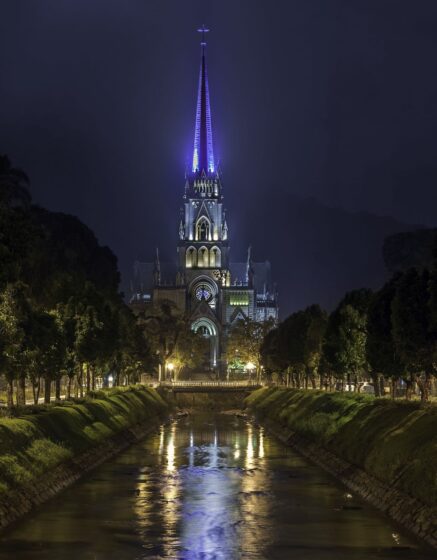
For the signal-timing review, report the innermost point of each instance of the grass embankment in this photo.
(37, 442)
(396, 442)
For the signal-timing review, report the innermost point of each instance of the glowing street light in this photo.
(170, 367)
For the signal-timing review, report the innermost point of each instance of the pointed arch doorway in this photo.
(207, 328)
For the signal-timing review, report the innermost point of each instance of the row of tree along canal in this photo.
(64, 326)
(388, 337)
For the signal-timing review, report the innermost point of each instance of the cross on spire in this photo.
(203, 30)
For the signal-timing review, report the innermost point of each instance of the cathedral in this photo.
(203, 282)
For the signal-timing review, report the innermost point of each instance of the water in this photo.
(212, 488)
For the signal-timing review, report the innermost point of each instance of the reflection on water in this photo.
(210, 488)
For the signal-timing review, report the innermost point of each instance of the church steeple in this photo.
(209, 290)
(203, 152)
(203, 230)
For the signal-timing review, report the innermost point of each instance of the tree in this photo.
(381, 353)
(67, 320)
(433, 312)
(71, 319)
(190, 351)
(296, 346)
(412, 329)
(352, 334)
(134, 352)
(272, 356)
(163, 324)
(336, 346)
(14, 314)
(245, 340)
(316, 320)
(51, 351)
(88, 327)
(292, 339)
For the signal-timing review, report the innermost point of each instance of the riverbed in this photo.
(209, 487)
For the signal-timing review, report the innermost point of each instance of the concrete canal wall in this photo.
(382, 450)
(42, 453)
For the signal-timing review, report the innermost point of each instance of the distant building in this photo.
(203, 282)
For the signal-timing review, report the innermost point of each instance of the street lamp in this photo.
(170, 367)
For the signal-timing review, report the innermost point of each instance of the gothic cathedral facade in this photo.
(202, 282)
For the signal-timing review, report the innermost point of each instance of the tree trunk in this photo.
(10, 393)
(375, 382)
(47, 390)
(38, 390)
(70, 379)
(58, 388)
(313, 380)
(21, 390)
(393, 387)
(35, 395)
(381, 386)
(88, 378)
(93, 378)
(80, 380)
(409, 389)
(423, 384)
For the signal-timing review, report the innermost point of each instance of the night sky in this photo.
(324, 119)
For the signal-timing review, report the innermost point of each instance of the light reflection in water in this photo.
(249, 449)
(171, 449)
(209, 492)
(210, 488)
(255, 494)
(191, 450)
(161, 441)
(214, 492)
(170, 497)
(261, 443)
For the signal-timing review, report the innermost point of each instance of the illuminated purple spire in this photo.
(203, 154)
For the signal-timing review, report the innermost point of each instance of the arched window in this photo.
(203, 260)
(190, 257)
(215, 257)
(202, 229)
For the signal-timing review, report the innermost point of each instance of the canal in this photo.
(210, 487)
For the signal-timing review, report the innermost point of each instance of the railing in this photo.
(206, 384)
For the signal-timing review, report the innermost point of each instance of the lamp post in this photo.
(170, 367)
